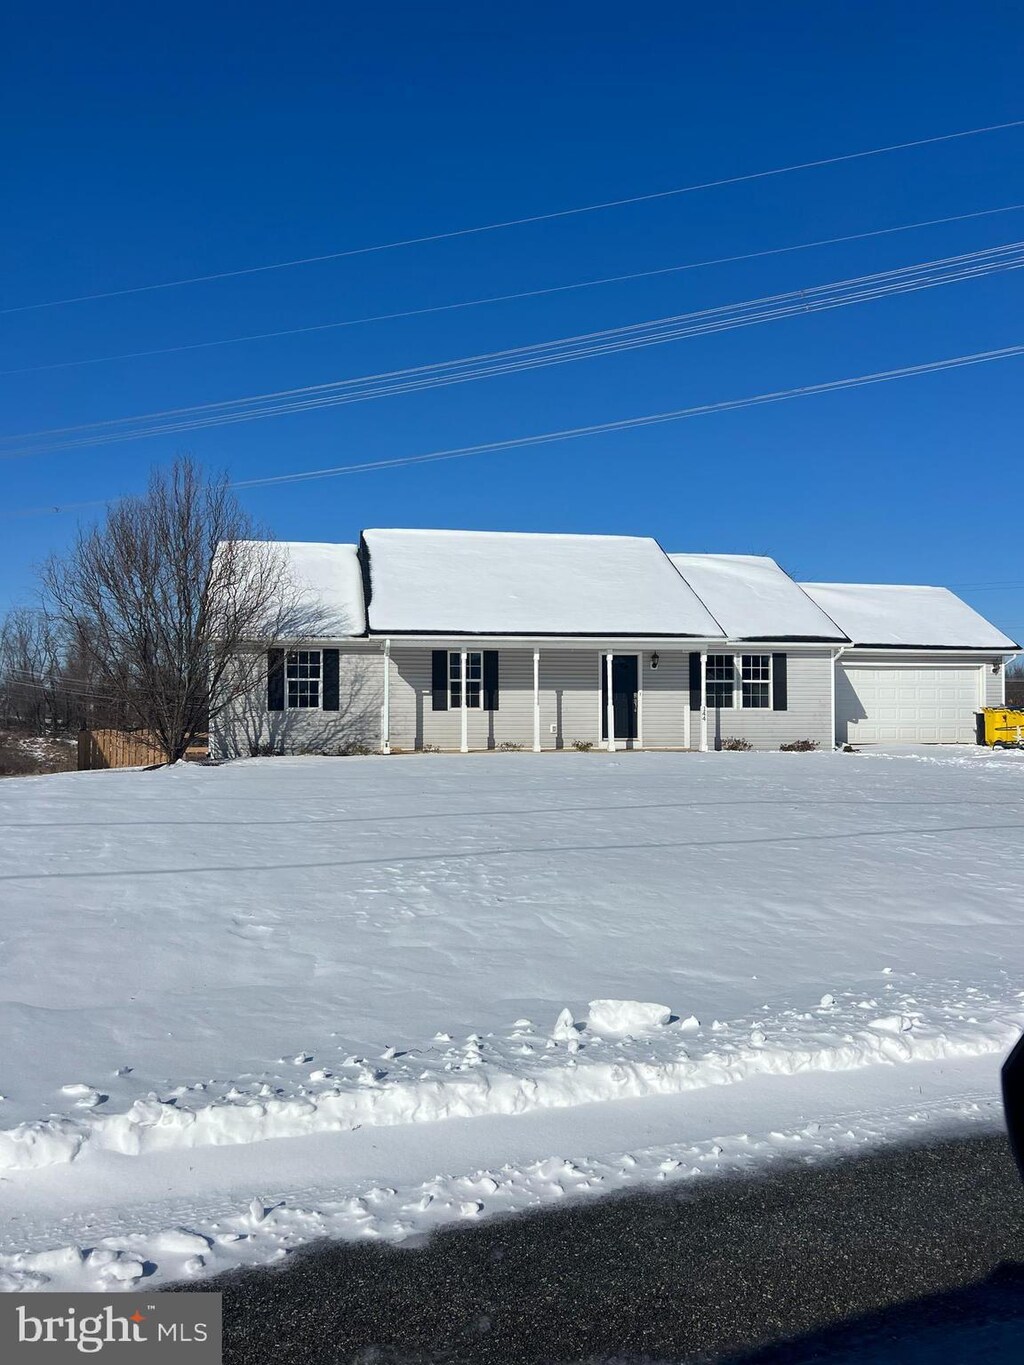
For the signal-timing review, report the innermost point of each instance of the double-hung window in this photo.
(474, 679)
(756, 681)
(721, 679)
(302, 673)
(742, 681)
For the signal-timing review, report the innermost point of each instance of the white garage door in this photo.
(902, 705)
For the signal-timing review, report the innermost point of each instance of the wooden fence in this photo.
(126, 749)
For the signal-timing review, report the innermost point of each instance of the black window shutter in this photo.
(780, 683)
(439, 679)
(694, 682)
(490, 680)
(330, 681)
(275, 679)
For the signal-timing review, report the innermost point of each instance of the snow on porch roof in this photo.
(905, 616)
(754, 599)
(511, 583)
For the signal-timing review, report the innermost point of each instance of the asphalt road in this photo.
(912, 1255)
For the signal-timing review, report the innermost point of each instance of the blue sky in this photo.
(142, 145)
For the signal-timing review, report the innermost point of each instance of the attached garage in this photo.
(894, 703)
(921, 666)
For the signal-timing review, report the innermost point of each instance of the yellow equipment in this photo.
(1001, 728)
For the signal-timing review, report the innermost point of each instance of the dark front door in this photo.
(625, 680)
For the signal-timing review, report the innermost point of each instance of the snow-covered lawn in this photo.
(246, 1006)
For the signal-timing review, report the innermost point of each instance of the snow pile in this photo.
(625, 1016)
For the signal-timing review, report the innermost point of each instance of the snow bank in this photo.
(623, 1051)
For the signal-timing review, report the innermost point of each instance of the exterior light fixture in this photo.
(996, 666)
(655, 659)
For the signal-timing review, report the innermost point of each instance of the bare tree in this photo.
(172, 602)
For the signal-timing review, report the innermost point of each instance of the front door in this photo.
(625, 680)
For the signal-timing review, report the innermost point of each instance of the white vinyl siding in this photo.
(995, 685)
(570, 705)
(245, 727)
(570, 700)
(664, 697)
(808, 714)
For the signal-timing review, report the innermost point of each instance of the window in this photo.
(721, 679)
(755, 674)
(741, 681)
(474, 679)
(303, 676)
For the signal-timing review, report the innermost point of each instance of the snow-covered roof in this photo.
(901, 615)
(753, 599)
(510, 583)
(321, 592)
(332, 578)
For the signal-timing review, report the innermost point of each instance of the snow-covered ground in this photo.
(246, 1006)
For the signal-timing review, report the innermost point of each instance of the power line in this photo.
(596, 429)
(986, 587)
(518, 222)
(653, 419)
(509, 298)
(904, 279)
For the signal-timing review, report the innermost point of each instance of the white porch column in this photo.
(703, 701)
(536, 701)
(686, 721)
(832, 692)
(610, 703)
(464, 744)
(385, 711)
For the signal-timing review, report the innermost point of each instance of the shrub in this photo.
(508, 746)
(737, 745)
(799, 746)
(583, 746)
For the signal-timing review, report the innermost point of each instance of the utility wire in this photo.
(508, 298)
(905, 279)
(519, 222)
(653, 419)
(596, 429)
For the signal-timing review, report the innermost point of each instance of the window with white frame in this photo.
(721, 679)
(741, 681)
(474, 679)
(756, 681)
(302, 674)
